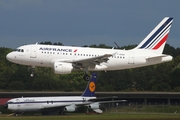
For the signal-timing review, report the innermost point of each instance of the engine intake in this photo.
(93, 106)
(69, 109)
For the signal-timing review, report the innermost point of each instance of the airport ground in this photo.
(120, 112)
(105, 116)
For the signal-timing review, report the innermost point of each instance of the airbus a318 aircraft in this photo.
(65, 59)
(59, 104)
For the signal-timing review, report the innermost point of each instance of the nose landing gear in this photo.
(32, 69)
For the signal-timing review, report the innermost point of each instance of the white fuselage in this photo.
(46, 55)
(39, 104)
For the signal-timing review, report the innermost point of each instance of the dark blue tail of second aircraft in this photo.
(91, 87)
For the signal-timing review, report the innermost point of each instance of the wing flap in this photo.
(91, 62)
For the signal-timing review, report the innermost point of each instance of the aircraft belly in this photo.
(28, 107)
(40, 62)
(115, 65)
(21, 59)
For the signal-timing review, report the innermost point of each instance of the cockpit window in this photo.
(19, 50)
(9, 102)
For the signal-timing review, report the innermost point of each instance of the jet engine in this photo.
(62, 68)
(93, 106)
(69, 108)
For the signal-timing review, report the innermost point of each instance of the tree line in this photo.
(161, 77)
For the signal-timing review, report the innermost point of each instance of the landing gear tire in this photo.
(32, 69)
(32, 75)
(86, 77)
(61, 113)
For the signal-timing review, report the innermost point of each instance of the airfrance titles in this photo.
(55, 49)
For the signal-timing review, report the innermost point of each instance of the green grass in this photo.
(147, 109)
(133, 112)
(74, 116)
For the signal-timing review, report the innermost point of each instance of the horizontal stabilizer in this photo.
(98, 111)
(157, 57)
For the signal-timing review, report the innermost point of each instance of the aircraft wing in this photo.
(100, 102)
(87, 103)
(103, 99)
(82, 104)
(90, 62)
(114, 101)
(54, 106)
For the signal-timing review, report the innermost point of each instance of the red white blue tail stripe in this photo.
(158, 36)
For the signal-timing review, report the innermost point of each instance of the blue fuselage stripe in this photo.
(46, 102)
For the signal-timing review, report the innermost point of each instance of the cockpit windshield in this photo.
(19, 50)
(10, 102)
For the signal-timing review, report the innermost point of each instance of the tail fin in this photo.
(156, 39)
(91, 87)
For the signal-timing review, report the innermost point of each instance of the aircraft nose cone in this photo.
(10, 57)
(6, 106)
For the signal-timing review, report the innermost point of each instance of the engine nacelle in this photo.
(93, 106)
(62, 68)
(69, 108)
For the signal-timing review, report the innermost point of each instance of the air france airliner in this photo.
(59, 104)
(65, 59)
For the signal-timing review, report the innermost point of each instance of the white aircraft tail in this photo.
(156, 39)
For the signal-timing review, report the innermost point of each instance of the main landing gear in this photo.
(86, 77)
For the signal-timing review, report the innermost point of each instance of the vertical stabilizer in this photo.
(91, 87)
(157, 38)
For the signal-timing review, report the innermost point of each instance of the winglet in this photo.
(91, 87)
(156, 39)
